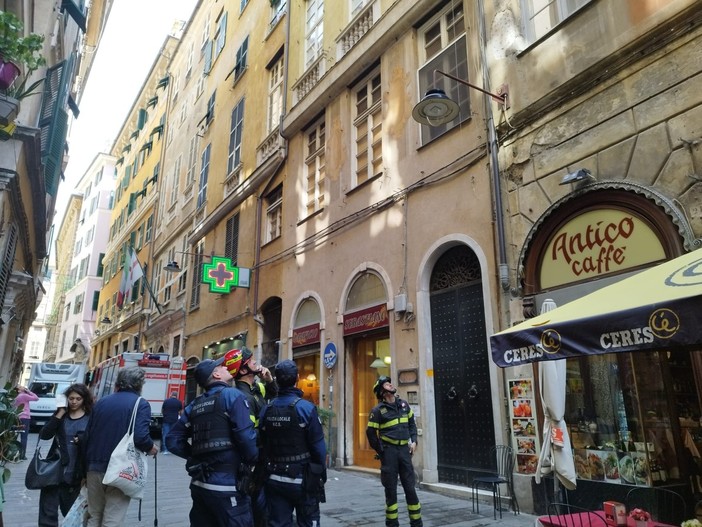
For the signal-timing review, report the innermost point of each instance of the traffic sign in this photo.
(330, 355)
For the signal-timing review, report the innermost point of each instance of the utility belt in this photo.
(291, 459)
(202, 471)
(395, 442)
(291, 470)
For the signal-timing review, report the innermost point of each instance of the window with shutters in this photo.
(100, 264)
(241, 56)
(96, 300)
(149, 229)
(235, 136)
(274, 214)
(78, 304)
(175, 184)
(275, 94)
(220, 34)
(204, 174)
(368, 130)
(7, 261)
(192, 161)
(541, 16)
(314, 29)
(315, 162)
(231, 242)
(444, 48)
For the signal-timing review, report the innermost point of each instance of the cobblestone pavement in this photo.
(353, 499)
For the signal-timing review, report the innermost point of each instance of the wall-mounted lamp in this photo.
(582, 177)
(172, 267)
(437, 108)
(106, 320)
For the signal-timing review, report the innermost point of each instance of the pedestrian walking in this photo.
(67, 428)
(295, 453)
(24, 396)
(392, 433)
(170, 409)
(109, 422)
(257, 394)
(216, 435)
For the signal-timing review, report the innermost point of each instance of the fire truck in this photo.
(164, 376)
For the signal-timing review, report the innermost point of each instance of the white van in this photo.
(46, 380)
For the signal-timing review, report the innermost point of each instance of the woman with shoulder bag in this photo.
(67, 427)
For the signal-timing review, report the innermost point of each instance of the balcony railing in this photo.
(269, 146)
(358, 27)
(310, 78)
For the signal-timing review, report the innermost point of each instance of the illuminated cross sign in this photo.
(222, 276)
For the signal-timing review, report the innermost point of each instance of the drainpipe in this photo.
(494, 162)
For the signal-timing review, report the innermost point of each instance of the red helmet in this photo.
(232, 361)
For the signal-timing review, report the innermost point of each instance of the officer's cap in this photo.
(286, 373)
(204, 370)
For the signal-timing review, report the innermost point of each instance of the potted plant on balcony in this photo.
(17, 52)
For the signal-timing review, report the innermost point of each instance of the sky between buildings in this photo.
(133, 36)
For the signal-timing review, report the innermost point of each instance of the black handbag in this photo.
(44, 471)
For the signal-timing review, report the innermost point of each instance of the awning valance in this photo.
(657, 309)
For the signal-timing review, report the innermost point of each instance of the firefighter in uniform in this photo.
(295, 453)
(215, 434)
(257, 393)
(392, 433)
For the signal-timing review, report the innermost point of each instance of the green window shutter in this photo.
(101, 268)
(141, 121)
(127, 148)
(208, 57)
(96, 300)
(119, 162)
(163, 82)
(152, 102)
(134, 135)
(53, 121)
(75, 12)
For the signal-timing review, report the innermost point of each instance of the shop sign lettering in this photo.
(305, 335)
(367, 319)
(597, 243)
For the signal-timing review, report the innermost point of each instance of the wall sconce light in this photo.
(582, 177)
(311, 377)
(378, 363)
(106, 320)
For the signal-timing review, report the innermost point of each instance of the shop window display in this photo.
(634, 418)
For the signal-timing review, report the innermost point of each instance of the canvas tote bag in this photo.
(127, 467)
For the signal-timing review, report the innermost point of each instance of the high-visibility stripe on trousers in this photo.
(398, 462)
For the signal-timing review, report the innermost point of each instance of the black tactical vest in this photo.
(211, 426)
(284, 436)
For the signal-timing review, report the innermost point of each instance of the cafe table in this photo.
(583, 519)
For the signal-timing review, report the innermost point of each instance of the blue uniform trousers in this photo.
(283, 499)
(219, 509)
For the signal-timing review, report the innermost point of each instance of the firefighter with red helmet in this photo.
(392, 433)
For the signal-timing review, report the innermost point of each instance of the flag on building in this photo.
(131, 273)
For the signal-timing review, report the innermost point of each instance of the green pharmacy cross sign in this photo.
(222, 276)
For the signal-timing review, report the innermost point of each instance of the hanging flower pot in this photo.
(9, 107)
(8, 73)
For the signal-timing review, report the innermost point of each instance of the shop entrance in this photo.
(365, 351)
(463, 404)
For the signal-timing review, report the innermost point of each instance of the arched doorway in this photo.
(367, 336)
(463, 403)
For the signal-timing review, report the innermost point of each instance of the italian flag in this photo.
(132, 272)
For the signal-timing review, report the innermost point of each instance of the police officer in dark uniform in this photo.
(222, 436)
(257, 393)
(295, 453)
(392, 433)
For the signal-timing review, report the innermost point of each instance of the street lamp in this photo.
(436, 109)
(173, 267)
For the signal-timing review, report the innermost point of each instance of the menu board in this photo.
(525, 440)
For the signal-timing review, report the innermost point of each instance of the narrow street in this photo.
(353, 499)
